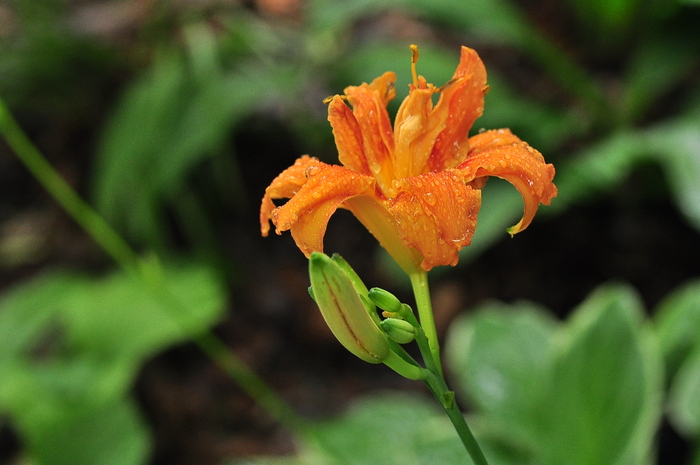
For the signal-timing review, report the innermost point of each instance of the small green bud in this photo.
(400, 331)
(343, 310)
(384, 300)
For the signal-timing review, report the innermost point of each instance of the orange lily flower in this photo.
(416, 188)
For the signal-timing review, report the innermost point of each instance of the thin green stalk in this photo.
(445, 397)
(251, 383)
(77, 208)
(102, 233)
(419, 282)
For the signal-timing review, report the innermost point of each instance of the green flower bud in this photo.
(359, 286)
(384, 300)
(343, 310)
(400, 331)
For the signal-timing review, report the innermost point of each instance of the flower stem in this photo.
(60, 190)
(446, 398)
(426, 338)
(117, 248)
(419, 282)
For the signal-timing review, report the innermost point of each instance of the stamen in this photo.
(328, 99)
(414, 60)
(447, 84)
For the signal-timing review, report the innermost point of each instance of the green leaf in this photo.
(655, 68)
(392, 428)
(71, 347)
(499, 21)
(112, 434)
(124, 316)
(169, 121)
(501, 356)
(678, 325)
(608, 378)
(677, 147)
(586, 392)
(684, 396)
(598, 168)
(339, 15)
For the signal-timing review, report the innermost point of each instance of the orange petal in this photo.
(284, 186)
(348, 136)
(306, 214)
(372, 213)
(369, 108)
(415, 128)
(436, 214)
(502, 154)
(461, 103)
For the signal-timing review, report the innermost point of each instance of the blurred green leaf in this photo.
(503, 354)
(599, 168)
(654, 69)
(611, 18)
(591, 390)
(502, 22)
(678, 325)
(684, 396)
(45, 66)
(607, 403)
(180, 113)
(499, 21)
(392, 428)
(339, 15)
(675, 145)
(71, 347)
(111, 434)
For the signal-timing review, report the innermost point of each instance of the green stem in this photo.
(446, 398)
(77, 208)
(251, 383)
(102, 233)
(419, 282)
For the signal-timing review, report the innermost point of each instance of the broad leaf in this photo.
(585, 392)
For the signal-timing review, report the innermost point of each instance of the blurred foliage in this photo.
(541, 387)
(600, 87)
(585, 391)
(72, 345)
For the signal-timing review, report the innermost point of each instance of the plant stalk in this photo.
(421, 292)
(118, 249)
